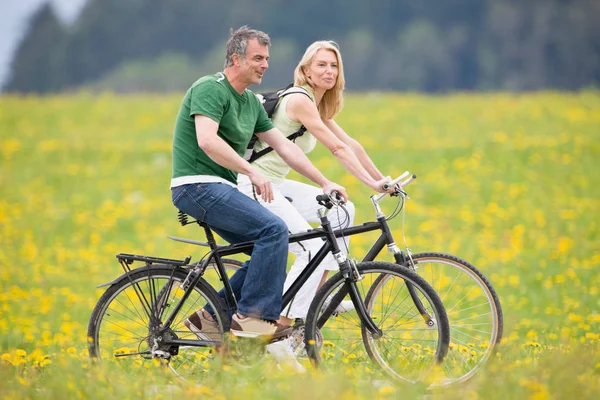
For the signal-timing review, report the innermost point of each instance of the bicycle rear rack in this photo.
(128, 259)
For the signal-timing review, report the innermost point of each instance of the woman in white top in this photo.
(320, 72)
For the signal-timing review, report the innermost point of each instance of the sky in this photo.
(14, 16)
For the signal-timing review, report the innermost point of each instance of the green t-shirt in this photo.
(238, 116)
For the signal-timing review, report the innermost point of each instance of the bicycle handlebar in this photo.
(395, 181)
(328, 200)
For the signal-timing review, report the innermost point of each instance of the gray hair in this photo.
(238, 42)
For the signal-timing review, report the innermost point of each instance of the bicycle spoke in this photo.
(121, 327)
(136, 311)
(469, 308)
(114, 312)
(408, 348)
(472, 330)
(464, 292)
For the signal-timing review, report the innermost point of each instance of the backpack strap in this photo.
(258, 154)
(292, 90)
(289, 90)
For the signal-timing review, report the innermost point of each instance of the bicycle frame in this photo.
(219, 251)
(325, 231)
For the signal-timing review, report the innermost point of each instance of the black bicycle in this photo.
(397, 319)
(473, 307)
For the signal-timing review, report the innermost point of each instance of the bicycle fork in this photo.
(351, 275)
(403, 261)
(361, 310)
(350, 288)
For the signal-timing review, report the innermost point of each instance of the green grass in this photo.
(508, 182)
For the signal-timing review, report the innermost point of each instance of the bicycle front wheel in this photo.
(123, 326)
(474, 312)
(414, 326)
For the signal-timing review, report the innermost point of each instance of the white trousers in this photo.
(297, 214)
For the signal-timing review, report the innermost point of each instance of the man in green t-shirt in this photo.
(217, 117)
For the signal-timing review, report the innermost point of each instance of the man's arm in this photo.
(220, 152)
(297, 160)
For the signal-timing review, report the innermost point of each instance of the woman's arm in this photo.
(297, 160)
(356, 147)
(301, 109)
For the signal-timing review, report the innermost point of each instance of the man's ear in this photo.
(236, 59)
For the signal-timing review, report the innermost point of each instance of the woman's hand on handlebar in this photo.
(378, 186)
(334, 187)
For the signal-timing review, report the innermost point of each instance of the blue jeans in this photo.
(235, 217)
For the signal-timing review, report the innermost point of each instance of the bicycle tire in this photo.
(415, 352)
(464, 290)
(211, 274)
(120, 324)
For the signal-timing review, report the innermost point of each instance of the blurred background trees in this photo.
(436, 46)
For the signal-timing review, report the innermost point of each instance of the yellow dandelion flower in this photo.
(387, 390)
(199, 390)
(575, 318)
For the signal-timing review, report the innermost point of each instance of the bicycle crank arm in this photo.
(191, 343)
(139, 353)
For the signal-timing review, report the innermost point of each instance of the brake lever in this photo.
(336, 198)
(399, 192)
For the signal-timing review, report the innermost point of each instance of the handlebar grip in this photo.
(393, 183)
(397, 181)
(409, 180)
(329, 200)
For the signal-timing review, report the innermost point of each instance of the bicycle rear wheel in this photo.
(121, 328)
(473, 308)
(408, 349)
(211, 274)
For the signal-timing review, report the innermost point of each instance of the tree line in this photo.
(435, 46)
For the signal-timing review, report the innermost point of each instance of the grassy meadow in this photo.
(509, 182)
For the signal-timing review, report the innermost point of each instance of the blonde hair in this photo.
(332, 101)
